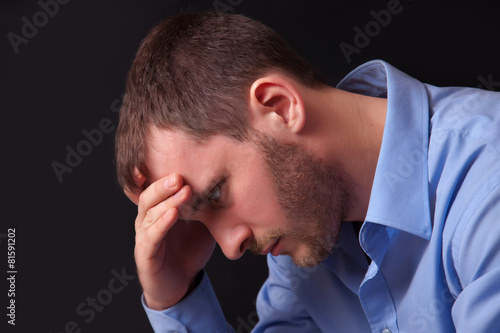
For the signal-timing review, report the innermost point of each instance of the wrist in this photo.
(163, 304)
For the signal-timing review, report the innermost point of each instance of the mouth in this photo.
(274, 248)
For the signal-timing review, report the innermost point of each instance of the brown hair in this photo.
(193, 72)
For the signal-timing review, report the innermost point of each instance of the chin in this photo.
(304, 263)
(309, 257)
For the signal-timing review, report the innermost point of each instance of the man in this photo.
(226, 135)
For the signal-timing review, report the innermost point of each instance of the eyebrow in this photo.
(201, 197)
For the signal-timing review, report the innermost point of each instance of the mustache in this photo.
(258, 245)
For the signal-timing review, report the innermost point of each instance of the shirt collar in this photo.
(400, 195)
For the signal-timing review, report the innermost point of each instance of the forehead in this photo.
(197, 162)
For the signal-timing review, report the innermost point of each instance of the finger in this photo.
(156, 212)
(149, 242)
(157, 192)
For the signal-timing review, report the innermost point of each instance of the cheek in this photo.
(256, 203)
(254, 199)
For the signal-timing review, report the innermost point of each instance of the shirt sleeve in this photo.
(278, 306)
(198, 312)
(477, 263)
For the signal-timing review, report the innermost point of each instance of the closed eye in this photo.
(214, 195)
(210, 198)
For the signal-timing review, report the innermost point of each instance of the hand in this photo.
(169, 252)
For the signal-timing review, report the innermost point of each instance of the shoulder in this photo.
(464, 177)
(472, 231)
(470, 112)
(464, 144)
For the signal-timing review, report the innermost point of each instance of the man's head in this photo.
(193, 72)
(214, 97)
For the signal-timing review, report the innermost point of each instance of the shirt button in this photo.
(386, 331)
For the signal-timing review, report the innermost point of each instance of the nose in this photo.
(233, 233)
(233, 241)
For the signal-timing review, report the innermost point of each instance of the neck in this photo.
(346, 130)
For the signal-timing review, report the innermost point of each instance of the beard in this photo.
(313, 196)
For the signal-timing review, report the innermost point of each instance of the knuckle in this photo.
(149, 216)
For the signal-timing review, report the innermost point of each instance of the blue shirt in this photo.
(432, 229)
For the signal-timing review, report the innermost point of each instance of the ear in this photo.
(276, 104)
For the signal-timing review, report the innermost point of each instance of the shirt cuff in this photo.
(199, 312)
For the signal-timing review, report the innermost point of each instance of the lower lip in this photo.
(276, 250)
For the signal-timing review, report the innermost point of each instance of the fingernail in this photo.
(171, 181)
(180, 193)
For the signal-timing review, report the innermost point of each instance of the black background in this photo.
(71, 234)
